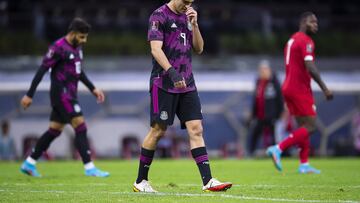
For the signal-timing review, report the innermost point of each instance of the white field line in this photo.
(163, 194)
(186, 185)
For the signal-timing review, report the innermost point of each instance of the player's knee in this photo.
(196, 131)
(159, 135)
(157, 132)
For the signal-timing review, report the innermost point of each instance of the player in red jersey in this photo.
(300, 68)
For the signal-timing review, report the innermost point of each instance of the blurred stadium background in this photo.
(237, 34)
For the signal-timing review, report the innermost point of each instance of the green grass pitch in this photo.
(179, 181)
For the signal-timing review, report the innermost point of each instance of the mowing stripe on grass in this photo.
(241, 197)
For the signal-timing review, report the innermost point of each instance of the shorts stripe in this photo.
(66, 103)
(155, 99)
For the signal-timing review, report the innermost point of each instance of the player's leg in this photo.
(309, 123)
(297, 106)
(55, 128)
(199, 153)
(162, 113)
(82, 145)
(189, 113)
(254, 136)
(157, 131)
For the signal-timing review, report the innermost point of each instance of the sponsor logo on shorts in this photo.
(77, 108)
(163, 115)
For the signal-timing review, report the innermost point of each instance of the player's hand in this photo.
(329, 95)
(26, 101)
(99, 94)
(192, 15)
(180, 84)
(176, 78)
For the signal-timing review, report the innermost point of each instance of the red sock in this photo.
(304, 151)
(295, 137)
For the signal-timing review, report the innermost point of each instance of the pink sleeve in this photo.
(51, 58)
(156, 27)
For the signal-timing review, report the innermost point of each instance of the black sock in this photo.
(44, 142)
(146, 158)
(201, 158)
(82, 143)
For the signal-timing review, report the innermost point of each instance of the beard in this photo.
(75, 42)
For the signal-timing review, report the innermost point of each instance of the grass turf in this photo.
(179, 181)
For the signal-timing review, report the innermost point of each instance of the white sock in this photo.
(31, 160)
(304, 164)
(277, 146)
(89, 165)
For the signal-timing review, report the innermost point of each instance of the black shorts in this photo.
(64, 113)
(165, 105)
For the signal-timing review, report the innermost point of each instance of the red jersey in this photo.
(299, 48)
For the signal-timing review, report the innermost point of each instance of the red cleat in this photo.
(216, 186)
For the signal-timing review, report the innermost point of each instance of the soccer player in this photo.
(173, 33)
(300, 68)
(64, 61)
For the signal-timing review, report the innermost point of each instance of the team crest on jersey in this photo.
(81, 54)
(50, 53)
(163, 115)
(189, 26)
(155, 25)
(78, 67)
(71, 56)
(309, 48)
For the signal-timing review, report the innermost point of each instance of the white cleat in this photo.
(143, 186)
(216, 186)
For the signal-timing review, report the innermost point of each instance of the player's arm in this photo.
(49, 61)
(27, 98)
(99, 94)
(197, 40)
(311, 67)
(160, 57)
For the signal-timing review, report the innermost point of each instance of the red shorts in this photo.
(300, 105)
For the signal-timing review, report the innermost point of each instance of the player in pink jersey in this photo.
(173, 34)
(64, 59)
(300, 68)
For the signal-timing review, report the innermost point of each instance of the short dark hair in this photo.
(79, 25)
(304, 15)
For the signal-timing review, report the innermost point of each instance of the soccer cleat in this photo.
(96, 173)
(29, 169)
(306, 169)
(216, 186)
(275, 154)
(143, 186)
